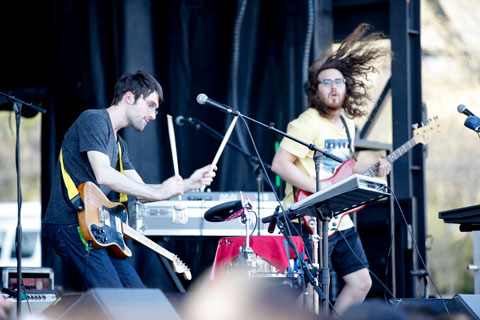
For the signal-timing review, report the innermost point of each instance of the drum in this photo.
(260, 268)
(271, 257)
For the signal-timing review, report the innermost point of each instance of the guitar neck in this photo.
(137, 236)
(400, 151)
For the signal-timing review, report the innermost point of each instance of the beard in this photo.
(328, 105)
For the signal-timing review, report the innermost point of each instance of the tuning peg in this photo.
(415, 126)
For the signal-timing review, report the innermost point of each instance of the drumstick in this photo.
(173, 146)
(222, 146)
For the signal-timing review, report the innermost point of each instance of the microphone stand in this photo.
(319, 153)
(202, 126)
(17, 107)
(258, 171)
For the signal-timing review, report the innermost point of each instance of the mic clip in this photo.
(473, 122)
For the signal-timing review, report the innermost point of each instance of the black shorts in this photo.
(341, 257)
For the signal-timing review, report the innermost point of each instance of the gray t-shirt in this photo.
(92, 131)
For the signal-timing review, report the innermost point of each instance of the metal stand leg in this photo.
(325, 272)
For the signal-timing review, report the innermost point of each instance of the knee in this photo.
(364, 284)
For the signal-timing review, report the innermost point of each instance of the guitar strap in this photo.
(73, 193)
(123, 196)
(350, 144)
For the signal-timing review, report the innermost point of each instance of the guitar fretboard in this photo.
(400, 151)
(135, 235)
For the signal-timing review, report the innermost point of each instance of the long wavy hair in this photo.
(354, 59)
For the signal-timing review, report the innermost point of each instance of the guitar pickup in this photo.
(104, 216)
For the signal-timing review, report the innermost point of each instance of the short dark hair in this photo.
(139, 83)
(354, 60)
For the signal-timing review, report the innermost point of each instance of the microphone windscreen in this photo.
(179, 120)
(202, 98)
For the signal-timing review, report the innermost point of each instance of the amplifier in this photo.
(38, 284)
(35, 302)
(33, 278)
(186, 217)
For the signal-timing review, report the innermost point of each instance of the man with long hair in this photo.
(337, 91)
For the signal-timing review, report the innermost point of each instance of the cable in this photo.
(242, 5)
(90, 243)
(388, 263)
(26, 297)
(307, 46)
(256, 222)
(366, 266)
(418, 250)
(288, 234)
(266, 174)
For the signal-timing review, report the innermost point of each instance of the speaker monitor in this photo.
(466, 304)
(470, 304)
(106, 303)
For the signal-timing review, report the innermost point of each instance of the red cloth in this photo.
(270, 248)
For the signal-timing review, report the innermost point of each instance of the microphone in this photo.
(462, 109)
(473, 123)
(180, 121)
(203, 99)
(273, 222)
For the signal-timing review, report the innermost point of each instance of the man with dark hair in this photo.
(334, 85)
(93, 151)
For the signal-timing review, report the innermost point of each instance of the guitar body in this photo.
(101, 220)
(345, 170)
(104, 223)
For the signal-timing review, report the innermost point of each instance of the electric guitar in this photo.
(105, 224)
(420, 135)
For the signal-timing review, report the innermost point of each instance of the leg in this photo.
(127, 273)
(66, 242)
(349, 261)
(357, 285)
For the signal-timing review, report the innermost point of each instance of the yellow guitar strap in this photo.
(123, 196)
(73, 193)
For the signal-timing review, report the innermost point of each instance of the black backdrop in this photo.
(66, 56)
(187, 46)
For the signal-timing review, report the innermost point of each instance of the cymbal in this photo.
(225, 211)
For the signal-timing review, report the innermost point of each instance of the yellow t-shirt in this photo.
(312, 128)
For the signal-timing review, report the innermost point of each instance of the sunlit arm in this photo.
(284, 165)
(130, 183)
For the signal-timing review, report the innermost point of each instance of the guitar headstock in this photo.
(425, 132)
(180, 267)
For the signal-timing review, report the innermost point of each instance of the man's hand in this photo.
(171, 187)
(200, 177)
(383, 167)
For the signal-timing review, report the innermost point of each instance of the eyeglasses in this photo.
(153, 107)
(328, 82)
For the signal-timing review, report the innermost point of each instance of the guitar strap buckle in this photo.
(77, 202)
